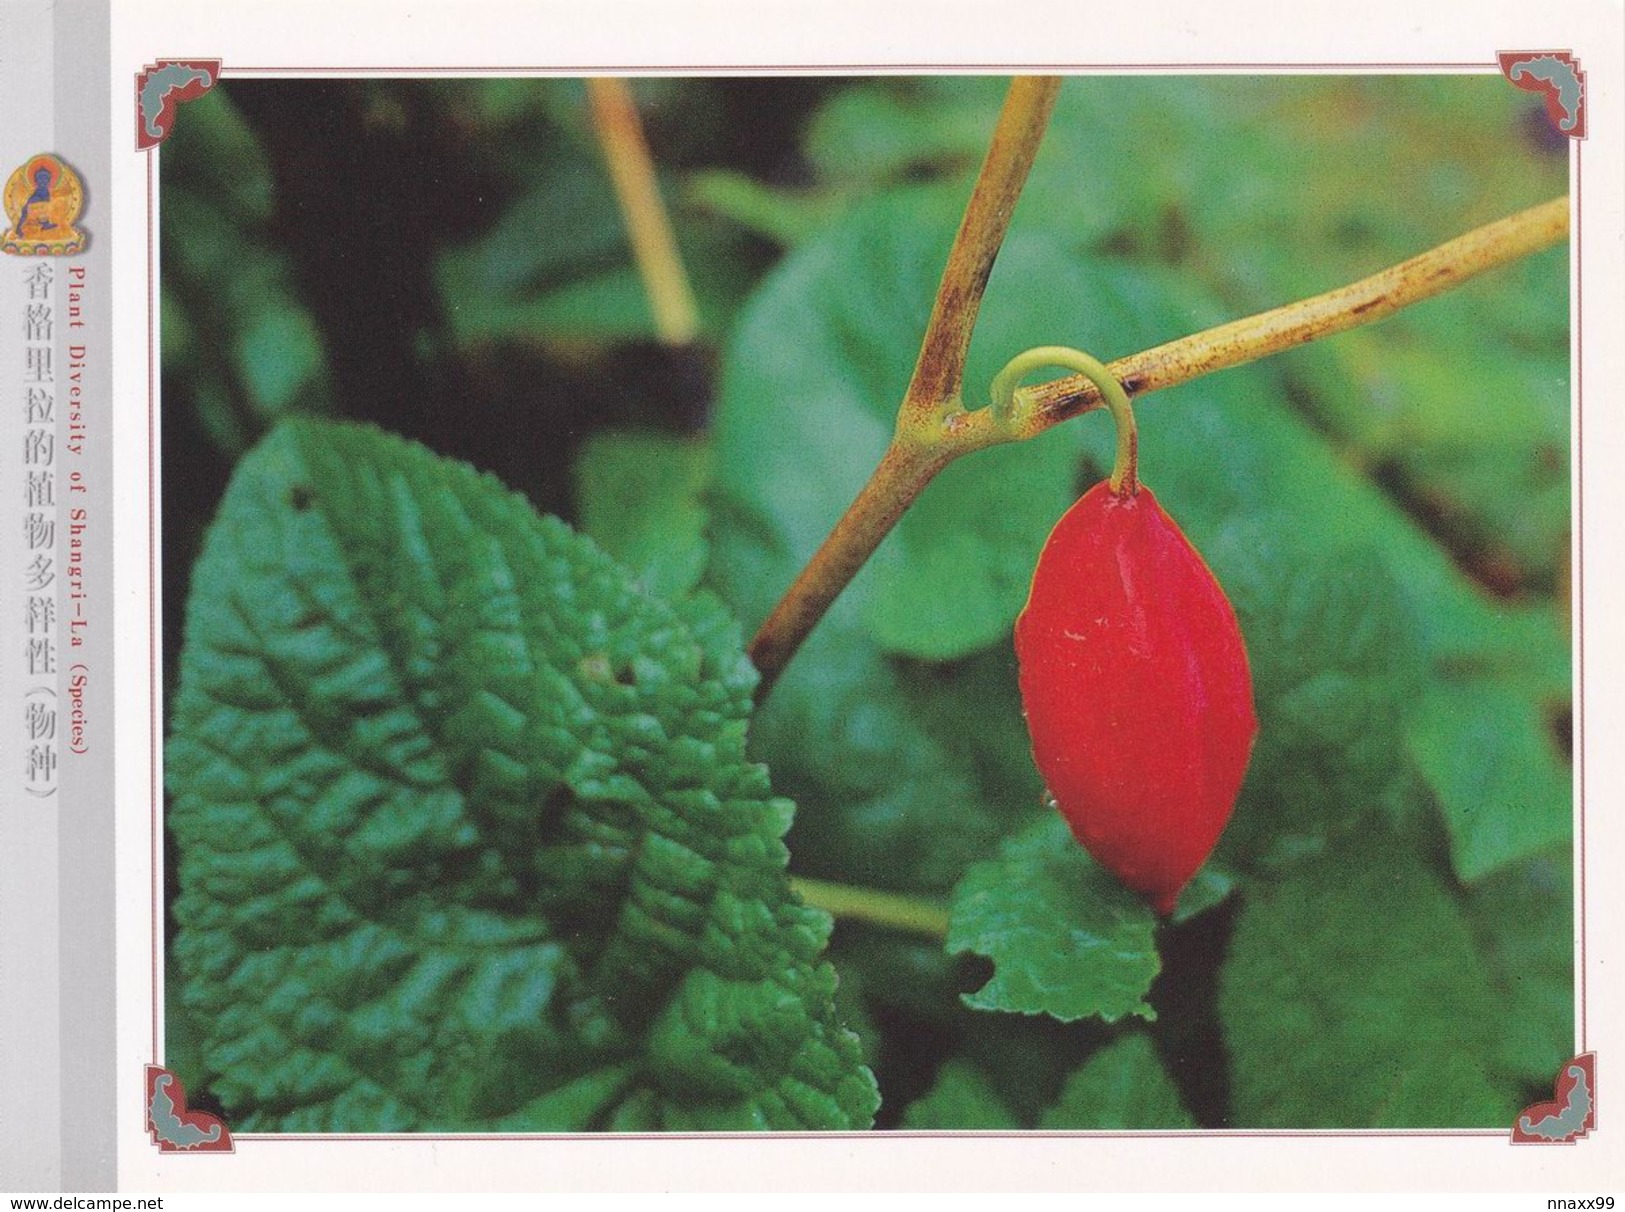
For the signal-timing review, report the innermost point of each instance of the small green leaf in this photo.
(555, 266)
(1123, 1086)
(780, 216)
(467, 837)
(280, 353)
(639, 493)
(1354, 995)
(1208, 888)
(883, 130)
(1065, 938)
(961, 1099)
(1494, 765)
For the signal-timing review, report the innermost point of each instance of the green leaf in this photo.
(467, 836)
(1336, 668)
(1354, 995)
(1494, 765)
(960, 1099)
(639, 493)
(214, 151)
(555, 266)
(1208, 888)
(1065, 938)
(780, 216)
(249, 351)
(279, 353)
(1523, 918)
(1123, 1086)
(881, 131)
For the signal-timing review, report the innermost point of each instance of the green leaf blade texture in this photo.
(962, 1099)
(468, 840)
(1121, 1087)
(1066, 939)
(640, 497)
(1355, 996)
(1502, 784)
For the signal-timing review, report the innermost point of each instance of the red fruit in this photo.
(1137, 693)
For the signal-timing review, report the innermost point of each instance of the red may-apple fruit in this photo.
(1137, 693)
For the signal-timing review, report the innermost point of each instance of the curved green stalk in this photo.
(1125, 467)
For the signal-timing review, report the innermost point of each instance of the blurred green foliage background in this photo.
(1389, 510)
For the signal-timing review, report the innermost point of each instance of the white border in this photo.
(716, 36)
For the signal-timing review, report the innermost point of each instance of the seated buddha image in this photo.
(42, 200)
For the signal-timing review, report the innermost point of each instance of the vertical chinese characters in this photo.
(39, 572)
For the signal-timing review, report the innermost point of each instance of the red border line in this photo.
(881, 1135)
(1579, 581)
(152, 597)
(813, 69)
(804, 69)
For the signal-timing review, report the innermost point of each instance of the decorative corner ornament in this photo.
(1570, 1115)
(175, 1129)
(42, 201)
(159, 90)
(1557, 75)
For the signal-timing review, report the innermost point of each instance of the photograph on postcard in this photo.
(650, 644)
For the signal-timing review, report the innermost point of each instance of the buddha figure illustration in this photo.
(42, 200)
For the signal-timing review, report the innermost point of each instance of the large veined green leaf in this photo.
(1354, 996)
(1335, 668)
(467, 837)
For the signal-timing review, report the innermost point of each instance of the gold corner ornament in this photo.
(42, 201)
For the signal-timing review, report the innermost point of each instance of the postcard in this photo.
(771, 598)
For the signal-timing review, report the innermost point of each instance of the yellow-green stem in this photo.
(1442, 268)
(931, 437)
(940, 368)
(916, 453)
(1125, 479)
(913, 914)
(654, 246)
